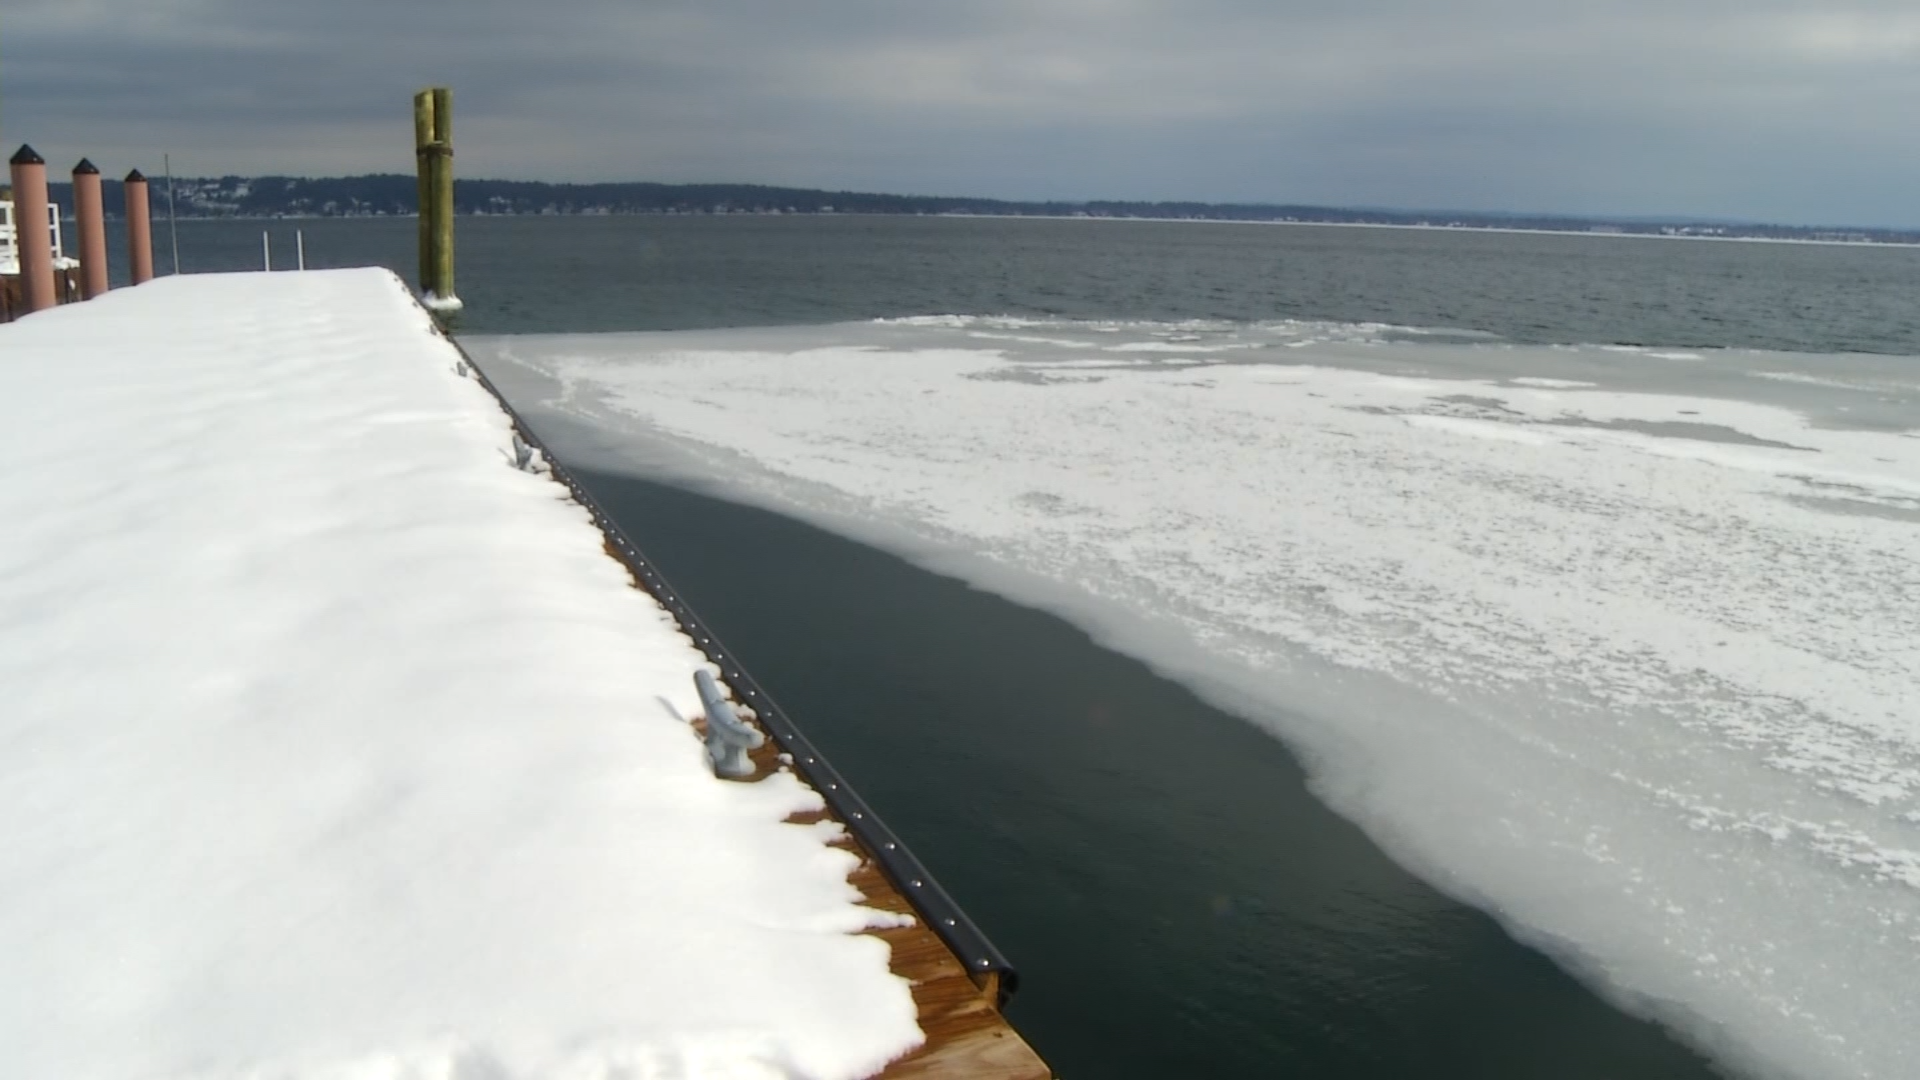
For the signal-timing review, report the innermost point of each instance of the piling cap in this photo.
(134, 177)
(86, 168)
(26, 156)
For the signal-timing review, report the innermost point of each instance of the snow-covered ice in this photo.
(334, 745)
(1625, 650)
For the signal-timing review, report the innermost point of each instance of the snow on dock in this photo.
(335, 745)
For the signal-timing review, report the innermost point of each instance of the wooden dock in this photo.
(967, 1037)
(13, 302)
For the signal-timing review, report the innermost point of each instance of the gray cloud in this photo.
(1792, 111)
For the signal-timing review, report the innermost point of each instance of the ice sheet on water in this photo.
(1552, 384)
(1585, 635)
(1145, 336)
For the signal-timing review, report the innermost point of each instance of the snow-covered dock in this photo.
(335, 744)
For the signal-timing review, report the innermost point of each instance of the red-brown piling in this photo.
(29, 173)
(139, 229)
(90, 214)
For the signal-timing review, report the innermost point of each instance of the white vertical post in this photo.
(266, 253)
(300, 247)
(53, 231)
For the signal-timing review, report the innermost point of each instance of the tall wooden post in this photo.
(422, 138)
(139, 229)
(29, 173)
(443, 197)
(433, 142)
(91, 216)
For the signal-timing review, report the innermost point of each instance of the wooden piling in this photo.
(433, 151)
(443, 195)
(29, 173)
(139, 229)
(90, 215)
(422, 138)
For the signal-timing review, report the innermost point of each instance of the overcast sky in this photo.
(1782, 110)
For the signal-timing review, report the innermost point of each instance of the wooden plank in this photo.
(966, 1037)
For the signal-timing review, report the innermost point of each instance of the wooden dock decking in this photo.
(966, 1035)
(13, 304)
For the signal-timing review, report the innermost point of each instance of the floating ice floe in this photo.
(1624, 650)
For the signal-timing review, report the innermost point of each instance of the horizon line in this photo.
(1598, 218)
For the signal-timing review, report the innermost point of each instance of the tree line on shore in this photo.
(395, 195)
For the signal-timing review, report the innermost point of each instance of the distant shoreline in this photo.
(396, 195)
(1595, 234)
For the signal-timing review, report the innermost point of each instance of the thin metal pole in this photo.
(173, 227)
(266, 252)
(300, 247)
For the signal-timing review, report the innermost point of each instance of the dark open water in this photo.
(556, 275)
(1179, 903)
